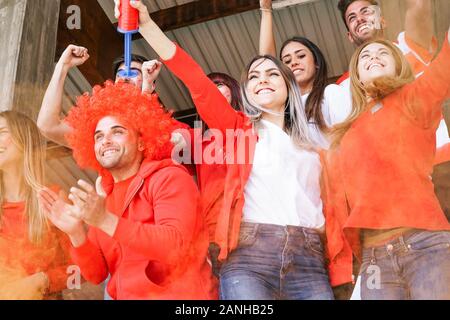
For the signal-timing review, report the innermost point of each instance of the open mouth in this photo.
(109, 152)
(375, 65)
(364, 27)
(297, 71)
(264, 91)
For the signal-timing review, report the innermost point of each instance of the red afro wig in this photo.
(141, 112)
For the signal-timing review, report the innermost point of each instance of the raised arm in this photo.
(49, 121)
(150, 31)
(423, 98)
(419, 23)
(266, 36)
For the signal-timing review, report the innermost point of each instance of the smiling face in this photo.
(375, 61)
(10, 155)
(266, 86)
(364, 21)
(116, 146)
(301, 62)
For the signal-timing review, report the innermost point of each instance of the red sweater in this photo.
(18, 253)
(217, 113)
(379, 177)
(160, 245)
(419, 59)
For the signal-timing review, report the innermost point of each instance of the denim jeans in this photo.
(275, 262)
(106, 295)
(414, 266)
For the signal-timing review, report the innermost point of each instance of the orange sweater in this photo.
(379, 177)
(19, 254)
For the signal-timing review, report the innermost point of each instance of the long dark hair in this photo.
(313, 106)
(232, 84)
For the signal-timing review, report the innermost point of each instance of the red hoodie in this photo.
(160, 245)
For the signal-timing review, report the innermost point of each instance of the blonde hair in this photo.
(29, 141)
(376, 91)
(295, 122)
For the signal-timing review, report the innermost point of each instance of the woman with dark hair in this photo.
(229, 87)
(271, 223)
(211, 176)
(324, 105)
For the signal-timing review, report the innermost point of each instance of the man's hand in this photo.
(265, 4)
(60, 213)
(155, 37)
(73, 56)
(144, 16)
(419, 23)
(150, 72)
(92, 208)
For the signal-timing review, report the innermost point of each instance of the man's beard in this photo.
(373, 35)
(110, 163)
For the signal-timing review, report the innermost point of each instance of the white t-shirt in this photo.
(284, 184)
(336, 107)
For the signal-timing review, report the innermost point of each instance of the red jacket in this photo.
(217, 113)
(160, 245)
(24, 258)
(379, 176)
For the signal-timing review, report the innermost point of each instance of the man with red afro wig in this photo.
(145, 228)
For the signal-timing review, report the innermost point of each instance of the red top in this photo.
(160, 245)
(392, 147)
(419, 59)
(24, 258)
(217, 113)
(211, 179)
(344, 77)
(208, 154)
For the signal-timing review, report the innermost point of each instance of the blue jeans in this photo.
(414, 266)
(275, 262)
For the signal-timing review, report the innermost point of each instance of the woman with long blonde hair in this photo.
(32, 258)
(378, 175)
